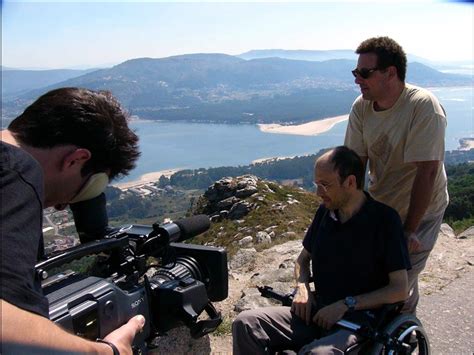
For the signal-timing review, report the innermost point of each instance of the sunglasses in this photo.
(364, 73)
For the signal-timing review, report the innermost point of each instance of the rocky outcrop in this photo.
(468, 233)
(226, 197)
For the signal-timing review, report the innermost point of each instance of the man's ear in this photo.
(76, 159)
(392, 72)
(351, 181)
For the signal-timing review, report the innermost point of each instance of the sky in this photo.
(64, 34)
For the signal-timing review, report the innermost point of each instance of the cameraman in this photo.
(64, 148)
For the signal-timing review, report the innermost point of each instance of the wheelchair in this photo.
(393, 333)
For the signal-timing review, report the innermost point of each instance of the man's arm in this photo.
(395, 291)
(43, 333)
(421, 195)
(303, 297)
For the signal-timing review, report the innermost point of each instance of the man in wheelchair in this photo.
(359, 260)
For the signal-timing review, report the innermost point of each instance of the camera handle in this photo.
(205, 326)
(93, 247)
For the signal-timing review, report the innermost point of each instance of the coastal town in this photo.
(58, 225)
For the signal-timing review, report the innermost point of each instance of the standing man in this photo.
(65, 147)
(399, 129)
(359, 262)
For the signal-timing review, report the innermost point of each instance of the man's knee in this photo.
(242, 323)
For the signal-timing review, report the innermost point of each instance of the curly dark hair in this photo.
(388, 53)
(93, 120)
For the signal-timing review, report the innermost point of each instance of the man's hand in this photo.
(123, 337)
(329, 315)
(302, 302)
(413, 243)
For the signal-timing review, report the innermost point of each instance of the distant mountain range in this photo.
(16, 82)
(219, 87)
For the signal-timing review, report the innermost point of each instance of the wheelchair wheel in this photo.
(408, 329)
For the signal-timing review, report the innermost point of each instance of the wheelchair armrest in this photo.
(388, 312)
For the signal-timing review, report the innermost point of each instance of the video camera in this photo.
(187, 277)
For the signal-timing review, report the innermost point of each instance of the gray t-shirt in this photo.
(21, 215)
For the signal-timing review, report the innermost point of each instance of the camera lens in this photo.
(184, 267)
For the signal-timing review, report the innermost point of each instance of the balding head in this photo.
(344, 161)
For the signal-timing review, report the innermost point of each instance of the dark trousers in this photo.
(269, 329)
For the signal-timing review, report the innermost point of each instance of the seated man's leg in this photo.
(268, 329)
(335, 343)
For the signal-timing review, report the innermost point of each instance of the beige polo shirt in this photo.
(411, 131)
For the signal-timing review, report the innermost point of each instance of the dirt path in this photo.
(448, 317)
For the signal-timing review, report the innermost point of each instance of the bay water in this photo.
(182, 145)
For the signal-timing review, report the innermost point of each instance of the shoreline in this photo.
(312, 128)
(466, 143)
(146, 178)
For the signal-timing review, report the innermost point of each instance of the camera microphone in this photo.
(183, 229)
(192, 226)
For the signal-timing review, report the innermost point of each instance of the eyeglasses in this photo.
(322, 187)
(364, 73)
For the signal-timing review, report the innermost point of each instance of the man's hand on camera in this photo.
(123, 337)
(302, 302)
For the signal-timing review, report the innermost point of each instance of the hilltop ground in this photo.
(446, 284)
(446, 308)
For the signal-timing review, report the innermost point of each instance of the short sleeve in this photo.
(425, 140)
(309, 236)
(395, 250)
(21, 238)
(354, 133)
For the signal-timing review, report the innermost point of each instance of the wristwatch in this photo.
(350, 302)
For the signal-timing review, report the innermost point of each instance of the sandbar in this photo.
(312, 128)
(466, 143)
(146, 178)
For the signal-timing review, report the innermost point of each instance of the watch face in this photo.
(350, 301)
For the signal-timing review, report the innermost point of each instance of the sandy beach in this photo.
(306, 129)
(466, 143)
(146, 178)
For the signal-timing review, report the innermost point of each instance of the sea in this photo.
(183, 145)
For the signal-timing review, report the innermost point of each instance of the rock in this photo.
(239, 210)
(251, 302)
(227, 203)
(244, 257)
(180, 341)
(287, 264)
(263, 238)
(252, 298)
(287, 235)
(220, 190)
(215, 218)
(269, 229)
(246, 240)
(468, 233)
(246, 181)
(278, 207)
(246, 192)
(275, 275)
(446, 231)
